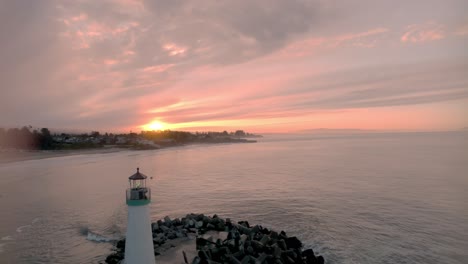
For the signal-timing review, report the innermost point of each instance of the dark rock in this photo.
(265, 230)
(309, 256)
(220, 252)
(114, 258)
(261, 259)
(159, 239)
(243, 238)
(245, 230)
(245, 260)
(236, 243)
(250, 250)
(199, 217)
(256, 229)
(220, 226)
(244, 223)
(277, 251)
(320, 260)
(171, 235)
(239, 254)
(293, 242)
(191, 223)
(177, 222)
(165, 229)
(234, 260)
(274, 235)
(289, 260)
(282, 244)
(203, 255)
(167, 221)
(206, 220)
(265, 239)
(196, 260)
(257, 245)
(121, 244)
(199, 224)
(201, 242)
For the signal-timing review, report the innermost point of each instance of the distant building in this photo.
(147, 142)
(166, 140)
(121, 140)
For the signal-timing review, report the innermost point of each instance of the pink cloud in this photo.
(111, 62)
(129, 53)
(360, 39)
(79, 17)
(174, 49)
(84, 32)
(157, 68)
(309, 46)
(429, 31)
(302, 48)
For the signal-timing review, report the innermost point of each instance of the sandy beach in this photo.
(7, 156)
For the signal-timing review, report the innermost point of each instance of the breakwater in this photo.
(219, 240)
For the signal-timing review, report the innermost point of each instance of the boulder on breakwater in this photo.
(220, 240)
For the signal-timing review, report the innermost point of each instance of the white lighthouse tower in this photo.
(139, 242)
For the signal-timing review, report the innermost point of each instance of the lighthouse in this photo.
(139, 247)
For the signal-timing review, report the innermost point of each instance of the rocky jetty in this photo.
(220, 240)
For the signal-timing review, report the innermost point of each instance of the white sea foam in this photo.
(20, 229)
(98, 238)
(6, 238)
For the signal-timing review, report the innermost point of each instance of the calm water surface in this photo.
(384, 198)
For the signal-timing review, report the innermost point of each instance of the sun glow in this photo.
(155, 125)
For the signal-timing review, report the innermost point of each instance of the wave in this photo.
(98, 238)
(20, 229)
(6, 238)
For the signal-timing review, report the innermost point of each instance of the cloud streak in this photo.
(429, 31)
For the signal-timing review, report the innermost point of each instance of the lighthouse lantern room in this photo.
(138, 193)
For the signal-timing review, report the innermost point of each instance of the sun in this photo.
(154, 125)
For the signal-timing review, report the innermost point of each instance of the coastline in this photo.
(11, 156)
(15, 155)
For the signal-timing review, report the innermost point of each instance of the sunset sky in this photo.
(261, 66)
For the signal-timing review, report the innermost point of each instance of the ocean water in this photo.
(363, 198)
